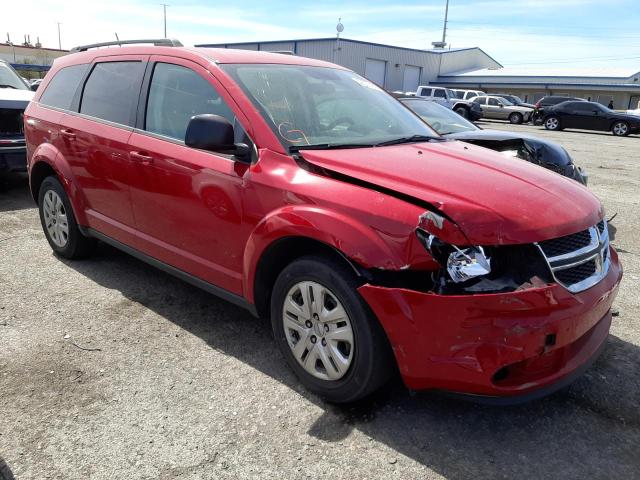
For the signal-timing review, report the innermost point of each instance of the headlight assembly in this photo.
(461, 264)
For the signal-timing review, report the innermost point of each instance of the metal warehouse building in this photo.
(598, 85)
(393, 68)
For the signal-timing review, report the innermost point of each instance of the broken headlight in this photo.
(462, 264)
(468, 263)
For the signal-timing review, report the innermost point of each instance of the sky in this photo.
(524, 34)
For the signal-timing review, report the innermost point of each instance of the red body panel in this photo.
(459, 342)
(214, 218)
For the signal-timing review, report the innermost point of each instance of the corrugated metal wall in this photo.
(354, 55)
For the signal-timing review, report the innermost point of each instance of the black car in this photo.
(590, 116)
(549, 101)
(513, 99)
(535, 150)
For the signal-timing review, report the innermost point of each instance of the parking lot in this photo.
(112, 369)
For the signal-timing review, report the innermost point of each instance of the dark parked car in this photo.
(514, 99)
(535, 150)
(590, 116)
(549, 101)
(14, 98)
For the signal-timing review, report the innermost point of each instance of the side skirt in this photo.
(182, 275)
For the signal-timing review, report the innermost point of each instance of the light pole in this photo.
(164, 8)
(59, 41)
(444, 28)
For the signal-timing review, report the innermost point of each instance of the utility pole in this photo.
(444, 28)
(164, 8)
(59, 41)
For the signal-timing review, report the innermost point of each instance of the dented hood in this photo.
(493, 199)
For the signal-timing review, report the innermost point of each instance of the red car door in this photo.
(95, 143)
(186, 202)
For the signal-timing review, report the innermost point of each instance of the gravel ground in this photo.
(111, 369)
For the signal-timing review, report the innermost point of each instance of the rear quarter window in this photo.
(111, 91)
(62, 87)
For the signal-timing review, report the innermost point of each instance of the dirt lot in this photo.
(110, 369)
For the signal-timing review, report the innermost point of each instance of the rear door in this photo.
(187, 202)
(95, 142)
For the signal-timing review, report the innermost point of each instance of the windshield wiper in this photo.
(412, 138)
(7, 86)
(328, 146)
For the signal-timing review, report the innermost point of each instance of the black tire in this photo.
(462, 111)
(516, 118)
(372, 362)
(5, 471)
(77, 245)
(620, 129)
(552, 125)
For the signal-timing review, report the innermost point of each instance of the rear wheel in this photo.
(552, 123)
(515, 118)
(620, 129)
(463, 112)
(59, 223)
(326, 331)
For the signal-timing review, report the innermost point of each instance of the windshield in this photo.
(10, 79)
(504, 101)
(441, 119)
(319, 106)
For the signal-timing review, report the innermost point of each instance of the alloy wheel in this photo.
(55, 218)
(620, 129)
(552, 123)
(318, 330)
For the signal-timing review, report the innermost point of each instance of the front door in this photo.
(94, 142)
(187, 202)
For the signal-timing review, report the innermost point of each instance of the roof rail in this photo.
(158, 42)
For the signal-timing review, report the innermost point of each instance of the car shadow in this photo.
(14, 192)
(589, 430)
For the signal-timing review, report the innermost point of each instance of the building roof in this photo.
(560, 72)
(437, 51)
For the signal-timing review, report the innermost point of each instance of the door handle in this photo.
(141, 157)
(68, 134)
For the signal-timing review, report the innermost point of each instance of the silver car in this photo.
(502, 109)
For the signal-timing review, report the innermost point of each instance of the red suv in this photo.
(303, 192)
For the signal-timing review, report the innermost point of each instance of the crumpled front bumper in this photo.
(497, 345)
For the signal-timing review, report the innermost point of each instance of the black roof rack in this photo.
(158, 42)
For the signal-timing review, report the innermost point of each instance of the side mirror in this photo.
(34, 87)
(214, 134)
(501, 105)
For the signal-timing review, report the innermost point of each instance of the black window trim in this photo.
(141, 113)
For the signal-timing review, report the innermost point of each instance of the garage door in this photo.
(375, 70)
(411, 78)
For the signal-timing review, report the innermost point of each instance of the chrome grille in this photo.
(580, 260)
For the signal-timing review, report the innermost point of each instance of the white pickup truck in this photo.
(15, 95)
(447, 98)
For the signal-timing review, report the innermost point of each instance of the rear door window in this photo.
(111, 91)
(176, 94)
(62, 87)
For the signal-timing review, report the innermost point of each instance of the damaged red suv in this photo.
(304, 193)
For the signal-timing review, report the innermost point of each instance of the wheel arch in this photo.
(294, 231)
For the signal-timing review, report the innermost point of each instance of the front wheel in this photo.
(326, 332)
(59, 223)
(463, 112)
(552, 123)
(515, 118)
(620, 129)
